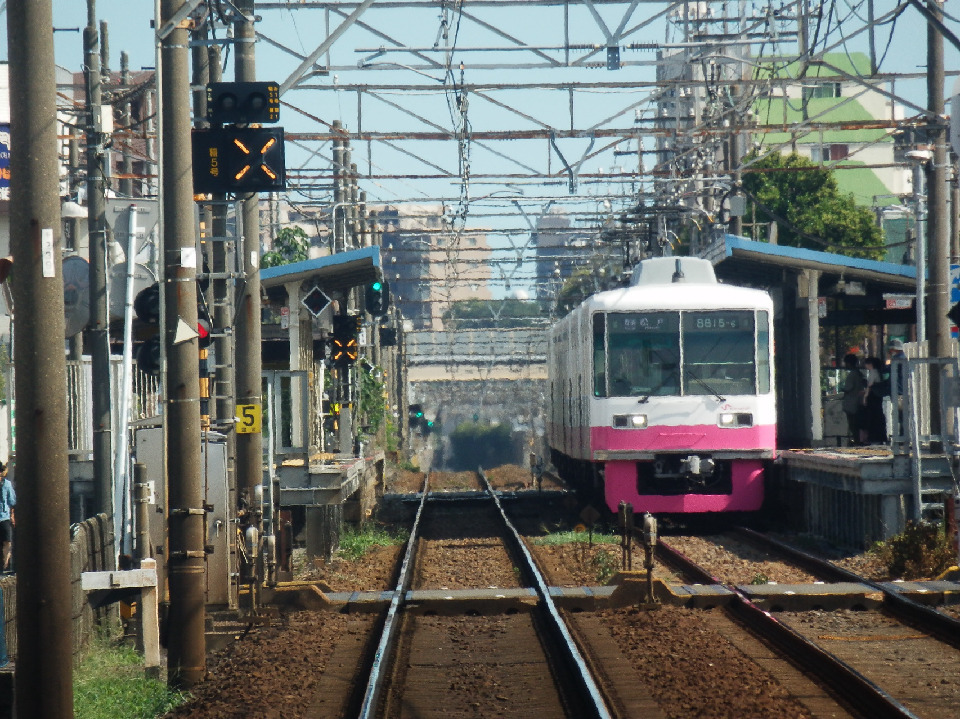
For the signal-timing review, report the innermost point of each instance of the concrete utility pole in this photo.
(186, 648)
(938, 236)
(339, 243)
(126, 160)
(249, 362)
(44, 673)
(99, 311)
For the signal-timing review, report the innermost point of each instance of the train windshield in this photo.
(651, 354)
(718, 352)
(643, 354)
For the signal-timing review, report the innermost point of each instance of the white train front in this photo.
(662, 393)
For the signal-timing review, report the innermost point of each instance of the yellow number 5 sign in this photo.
(248, 419)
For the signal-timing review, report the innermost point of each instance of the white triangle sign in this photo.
(184, 333)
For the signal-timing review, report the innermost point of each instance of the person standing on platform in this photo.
(852, 395)
(873, 427)
(895, 352)
(896, 378)
(8, 500)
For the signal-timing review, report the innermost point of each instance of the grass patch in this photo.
(606, 565)
(920, 551)
(574, 537)
(109, 683)
(354, 543)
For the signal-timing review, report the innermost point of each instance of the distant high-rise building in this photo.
(430, 266)
(561, 248)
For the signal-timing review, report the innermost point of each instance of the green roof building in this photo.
(842, 125)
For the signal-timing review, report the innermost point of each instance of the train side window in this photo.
(763, 353)
(599, 355)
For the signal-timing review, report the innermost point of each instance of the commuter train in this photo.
(662, 393)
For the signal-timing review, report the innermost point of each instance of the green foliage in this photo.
(491, 314)
(480, 445)
(583, 283)
(578, 287)
(109, 684)
(393, 438)
(354, 543)
(409, 465)
(573, 536)
(605, 564)
(373, 402)
(921, 551)
(803, 199)
(760, 578)
(4, 363)
(290, 245)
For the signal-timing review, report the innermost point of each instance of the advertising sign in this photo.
(4, 162)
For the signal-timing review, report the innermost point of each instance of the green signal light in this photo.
(429, 423)
(419, 414)
(377, 286)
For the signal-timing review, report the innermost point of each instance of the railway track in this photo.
(898, 661)
(466, 631)
(500, 650)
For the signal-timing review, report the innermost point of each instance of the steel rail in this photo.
(847, 682)
(371, 697)
(556, 624)
(903, 608)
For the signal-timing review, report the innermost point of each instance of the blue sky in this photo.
(130, 31)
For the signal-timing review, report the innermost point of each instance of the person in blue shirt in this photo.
(8, 500)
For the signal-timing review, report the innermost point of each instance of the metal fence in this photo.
(915, 382)
(91, 543)
(287, 413)
(146, 403)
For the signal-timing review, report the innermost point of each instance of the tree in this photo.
(490, 314)
(810, 211)
(373, 397)
(584, 282)
(290, 245)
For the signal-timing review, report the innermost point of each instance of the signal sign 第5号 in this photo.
(239, 160)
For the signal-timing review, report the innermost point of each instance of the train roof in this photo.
(671, 283)
(679, 296)
(673, 270)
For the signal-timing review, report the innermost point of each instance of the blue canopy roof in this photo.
(340, 271)
(897, 277)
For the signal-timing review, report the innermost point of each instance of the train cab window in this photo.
(599, 356)
(643, 354)
(718, 353)
(763, 353)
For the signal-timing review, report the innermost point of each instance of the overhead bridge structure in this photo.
(482, 354)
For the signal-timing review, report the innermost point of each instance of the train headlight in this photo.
(735, 419)
(630, 421)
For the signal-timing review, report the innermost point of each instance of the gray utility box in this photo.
(220, 526)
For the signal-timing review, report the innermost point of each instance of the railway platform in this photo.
(856, 496)
(329, 488)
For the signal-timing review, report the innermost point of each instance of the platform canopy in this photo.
(335, 273)
(871, 292)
